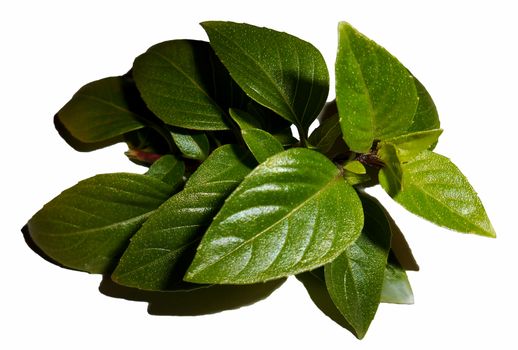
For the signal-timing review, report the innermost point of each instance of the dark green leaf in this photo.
(355, 279)
(88, 225)
(262, 144)
(435, 189)
(410, 145)
(101, 110)
(278, 70)
(245, 120)
(168, 169)
(399, 246)
(396, 287)
(375, 94)
(292, 213)
(325, 135)
(426, 116)
(161, 251)
(175, 79)
(193, 145)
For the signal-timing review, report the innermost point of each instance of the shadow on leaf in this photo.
(194, 302)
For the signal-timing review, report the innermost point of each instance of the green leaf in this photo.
(292, 213)
(192, 144)
(161, 251)
(391, 174)
(102, 110)
(355, 279)
(88, 226)
(396, 287)
(375, 94)
(175, 79)
(325, 135)
(435, 189)
(278, 70)
(262, 144)
(355, 167)
(426, 116)
(410, 145)
(245, 120)
(168, 169)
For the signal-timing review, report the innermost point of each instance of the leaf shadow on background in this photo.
(194, 302)
(315, 285)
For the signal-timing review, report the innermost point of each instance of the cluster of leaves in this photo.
(232, 197)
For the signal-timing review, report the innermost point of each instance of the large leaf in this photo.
(175, 79)
(161, 251)
(88, 225)
(435, 189)
(292, 213)
(278, 70)
(102, 110)
(355, 279)
(375, 94)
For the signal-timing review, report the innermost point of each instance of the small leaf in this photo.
(168, 169)
(375, 94)
(278, 70)
(262, 144)
(396, 287)
(88, 225)
(391, 174)
(244, 119)
(175, 80)
(292, 213)
(325, 135)
(102, 110)
(435, 189)
(161, 251)
(355, 278)
(193, 145)
(426, 116)
(410, 145)
(355, 167)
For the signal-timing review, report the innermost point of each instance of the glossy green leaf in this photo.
(396, 287)
(375, 94)
(102, 110)
(355, 166)
(262, 144)
(161, 251)
(175, 79)
(411, 144)
(292, 213)
(168, 169)
(88, 226)
(193, 145)
(355, 279)
(426, 116)
(278, 70)
(325, 135)
(435, 189)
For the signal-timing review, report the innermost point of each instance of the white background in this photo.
(465, 53)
